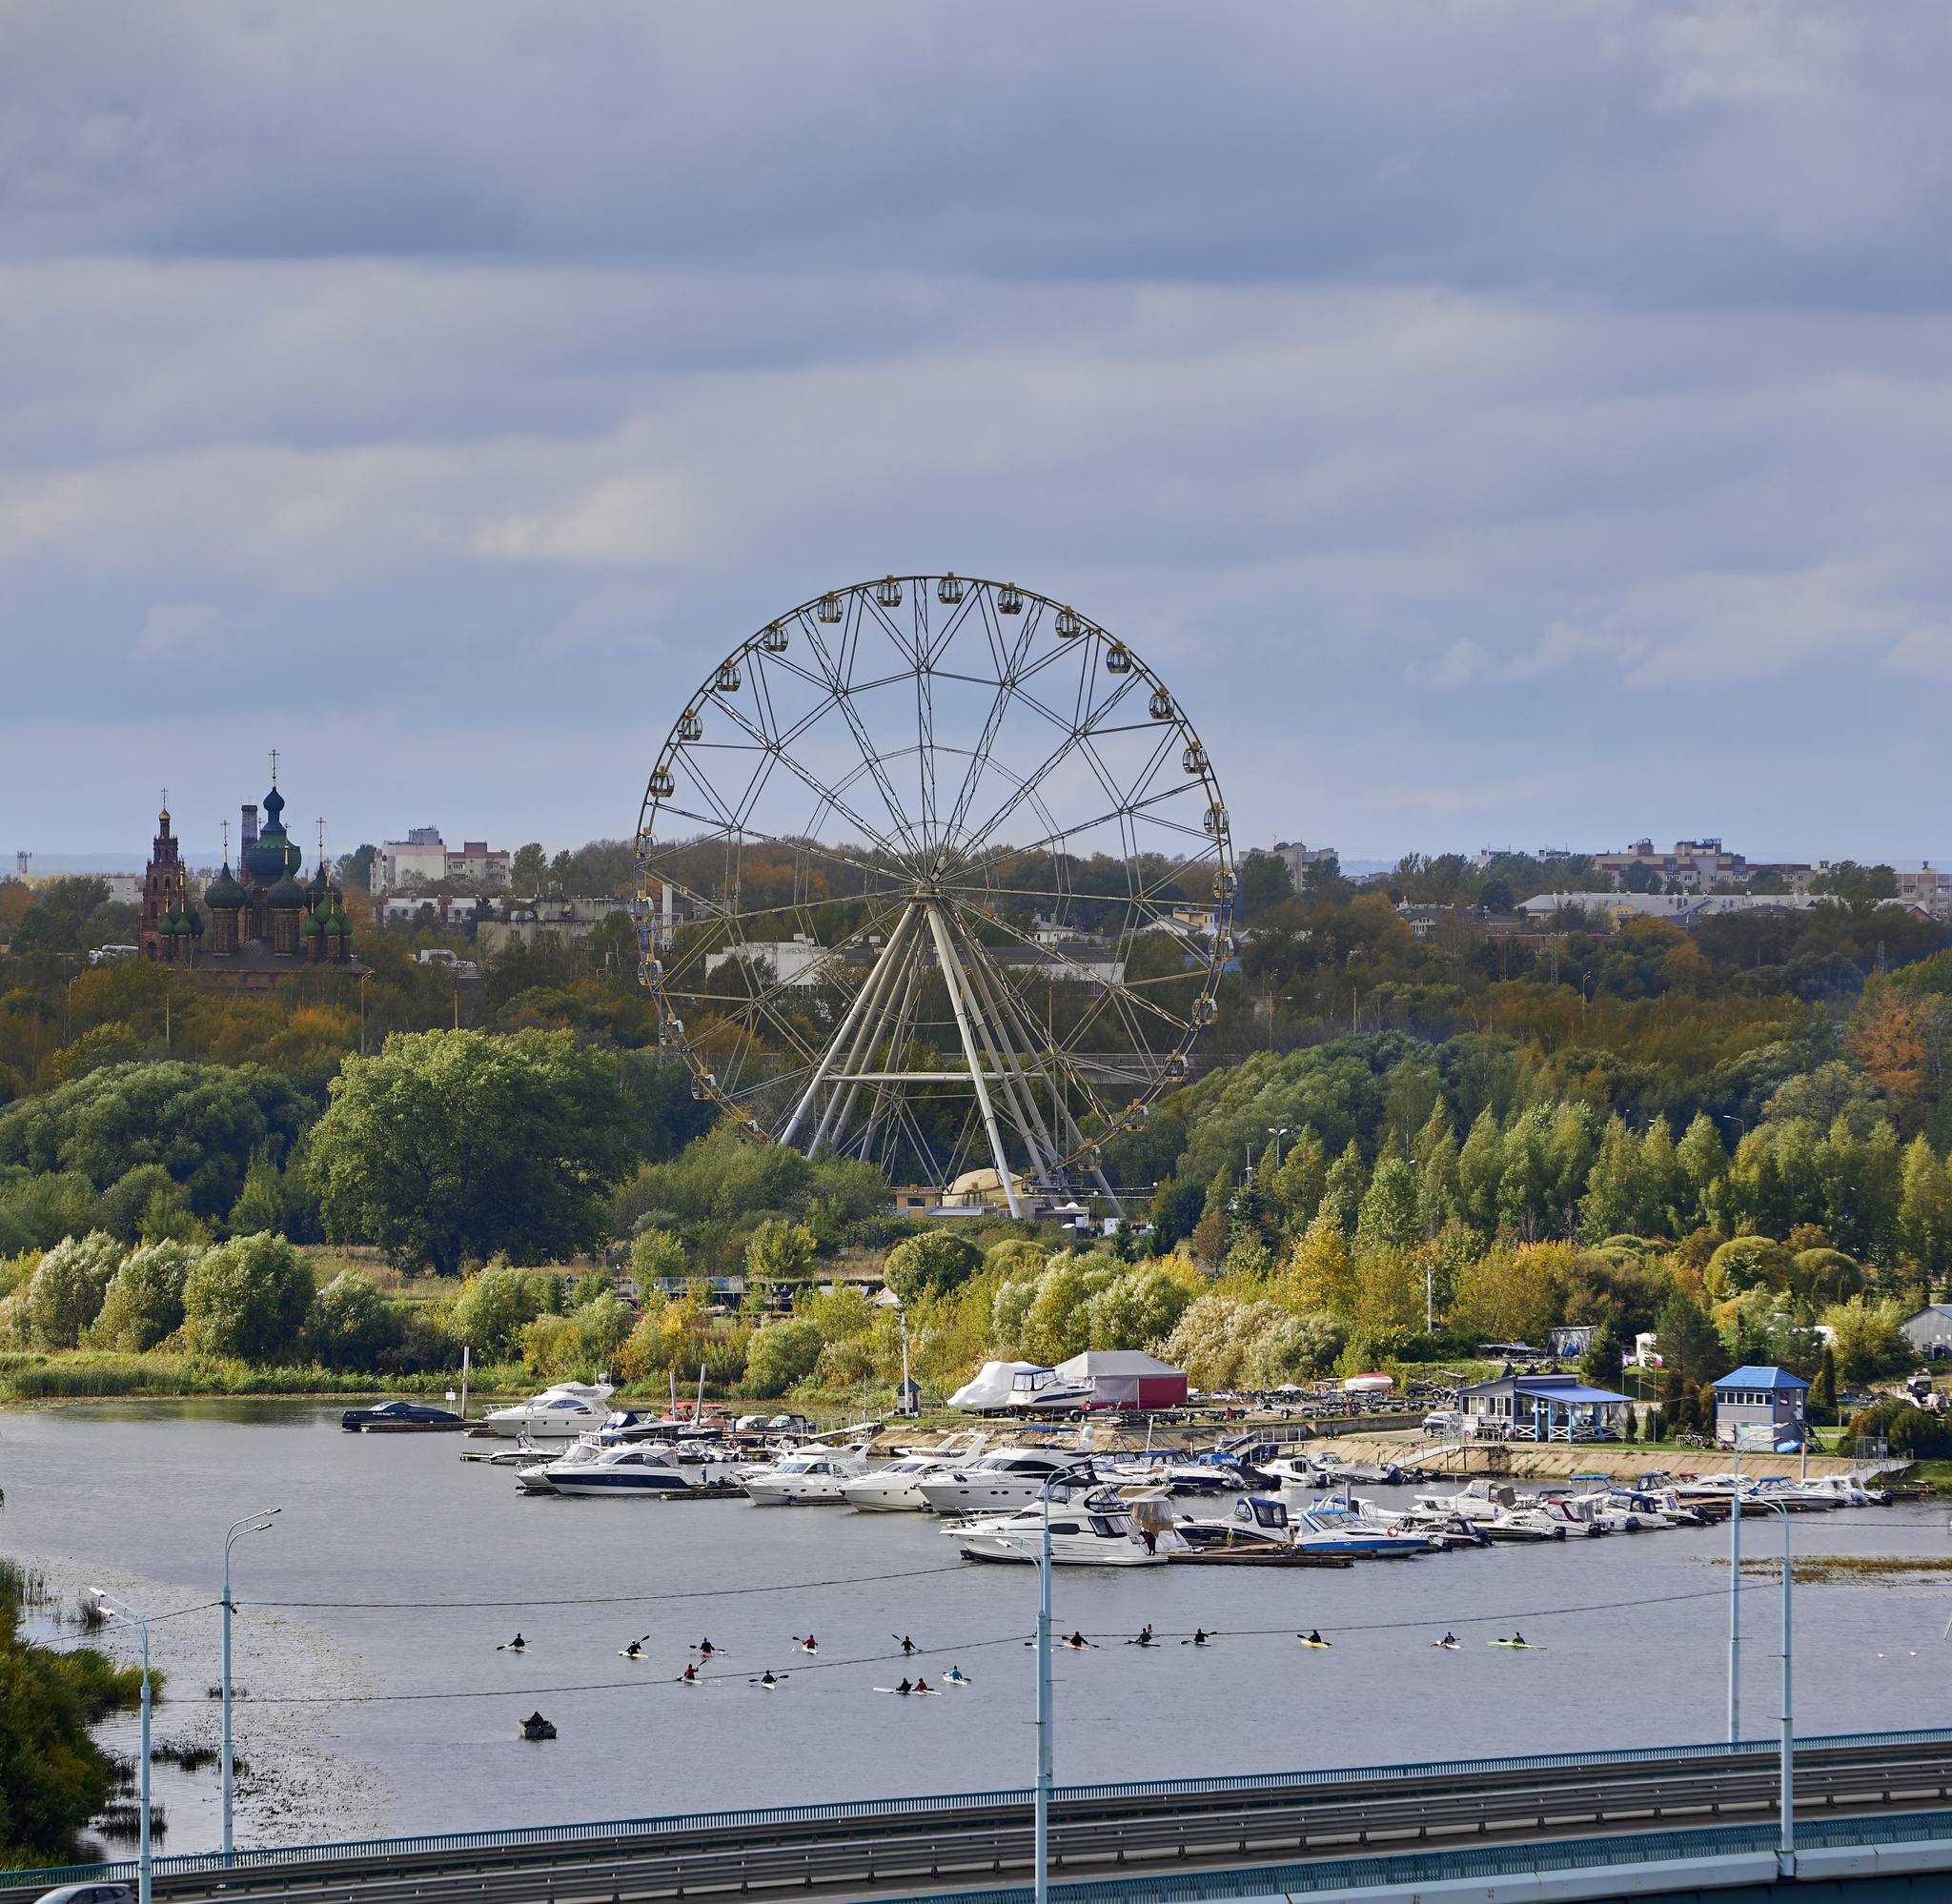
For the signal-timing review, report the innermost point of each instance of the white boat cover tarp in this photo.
(992, 1387)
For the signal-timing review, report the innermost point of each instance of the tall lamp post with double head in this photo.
(1044, 1714)
(130, 1617)
(255, 1523)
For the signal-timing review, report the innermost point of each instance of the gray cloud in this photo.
(1495, 415)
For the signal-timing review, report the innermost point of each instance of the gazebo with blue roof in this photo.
(1541, 1408)
(1771, 1396)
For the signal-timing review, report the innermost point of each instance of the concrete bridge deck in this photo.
(1285, 1825)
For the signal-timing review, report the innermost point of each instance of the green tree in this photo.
(201, 1123)
(1924, 1215)
(932, 1264)
(1265, 881)
(1391, 1217)
(1600, 1365)
(656, 1255)
(1141, 1307)
(1687, 1342)
(1439, 1194)
(452, 1145)
(1059, 1322)
(1700, 1163)
(53, 922)
(144, 1302)
(67, 1292)
(493, 1309)
(1868, 1339)
(1480, 1169)
(528, 869)
(781, 1354)
(781, 1252)
(260, 1203)
(248, 1299)
(351, 1324)
(1346, 1185)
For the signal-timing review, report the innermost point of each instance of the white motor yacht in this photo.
(812, 1477)
(1096, 1530)
(590, 1467)
(1001, 1480)
(560, 1412)
(893, 1489)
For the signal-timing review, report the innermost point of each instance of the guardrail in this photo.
(851, 1841)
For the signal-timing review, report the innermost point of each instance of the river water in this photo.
(369, 1618)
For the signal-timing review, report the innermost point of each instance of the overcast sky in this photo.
(1503, 423)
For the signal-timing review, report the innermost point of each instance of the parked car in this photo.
(88, 1894)
(1442, 1422)
(397, 1414)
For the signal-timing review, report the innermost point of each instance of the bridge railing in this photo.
(867, 1810)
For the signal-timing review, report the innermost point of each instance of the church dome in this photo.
(224, 894)
(310, 926)
(337, 923)
(287, 896)
(189, 920)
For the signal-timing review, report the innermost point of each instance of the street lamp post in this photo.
(255, 1523)
(1043, 1705)
(120, 1611)
(1277, 1132)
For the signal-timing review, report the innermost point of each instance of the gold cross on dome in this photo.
(273, 766)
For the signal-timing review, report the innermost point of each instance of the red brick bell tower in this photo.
(162, 885)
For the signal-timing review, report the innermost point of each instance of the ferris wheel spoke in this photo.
(842, 687)
(1056, 836)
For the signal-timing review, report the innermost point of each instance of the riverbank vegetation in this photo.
(1734, 1139)
(53, 1776)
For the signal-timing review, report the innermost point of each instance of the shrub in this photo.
(780, 1355)
(51, 1205)
(1747, 1263)
(1141, 1307)
(1869, 1341)
(934, 1264)
(144, 1304)
(1294, 1349)
(1822, 1276)
(248, 1299)
(66, 1293)
(124, 1201)
(351, 1325)
(493, 1309)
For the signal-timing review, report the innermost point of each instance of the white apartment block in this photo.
(423, 859)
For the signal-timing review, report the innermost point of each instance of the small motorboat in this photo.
(1257, 1520)
(560, 1412)
(1335, 1527)
(1043, 1391)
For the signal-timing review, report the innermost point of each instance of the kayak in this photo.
(911, 1691)
(1449, 1646)
(1321, 1645)
(1517, 1646)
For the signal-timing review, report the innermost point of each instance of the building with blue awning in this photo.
(1542, 1408)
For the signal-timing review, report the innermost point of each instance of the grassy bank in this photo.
(87, 1375)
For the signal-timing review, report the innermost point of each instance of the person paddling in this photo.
(904, 1687)
(517, 1645)
(690, 1674)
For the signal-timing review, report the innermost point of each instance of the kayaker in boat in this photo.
(907, 1646)
(1199, 1637)
(635, 1650)
(766, 1678)
(1077, 1642)
(1145, 1637)
(921, 1684)
(1517, 1638)
(1449, 1639)
(904, 1687)
(689, 1675)
(517, 1645)
(707, 1648)
(1315, 1638)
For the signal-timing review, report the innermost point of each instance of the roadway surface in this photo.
(957, 1843)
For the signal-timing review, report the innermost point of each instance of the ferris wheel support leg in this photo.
(876, 979)
(952, 972)
(1024, 1111)
(874, 1023)
(1059, 1107)
(896, 1027)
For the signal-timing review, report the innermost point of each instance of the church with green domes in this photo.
(264, 922)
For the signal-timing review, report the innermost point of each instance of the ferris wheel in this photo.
(934, 872)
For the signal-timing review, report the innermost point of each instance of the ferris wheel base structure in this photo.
(933, 870)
